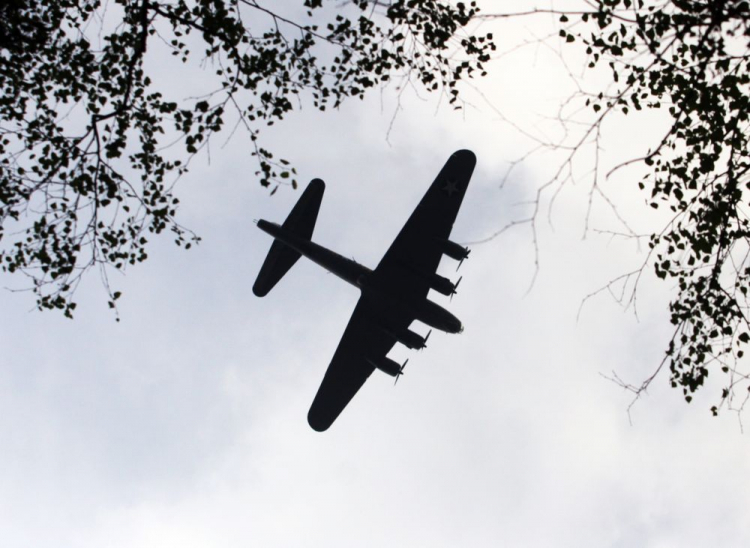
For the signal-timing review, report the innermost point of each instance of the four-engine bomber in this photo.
(394, 294)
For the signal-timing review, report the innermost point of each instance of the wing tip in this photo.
(317, 423)
(315, 183)
(259, 290)
(466, 155)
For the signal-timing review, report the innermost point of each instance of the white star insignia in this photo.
(451, 186)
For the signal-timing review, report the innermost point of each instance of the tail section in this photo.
(301, 221)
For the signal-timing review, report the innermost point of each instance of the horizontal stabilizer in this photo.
(301, 222)
(280, 259)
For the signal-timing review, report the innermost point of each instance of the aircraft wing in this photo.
(417, 250)
(349, 368)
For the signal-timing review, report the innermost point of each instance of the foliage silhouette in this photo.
(76, 196)
(691, 59)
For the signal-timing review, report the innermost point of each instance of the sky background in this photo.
(184, 424)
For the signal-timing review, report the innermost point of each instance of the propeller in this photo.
(468, 252)
(400, 371)
(424, 343)
(455, 287)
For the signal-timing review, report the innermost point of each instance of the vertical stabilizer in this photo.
(301, 222)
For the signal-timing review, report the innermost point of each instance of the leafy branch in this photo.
(87, 162)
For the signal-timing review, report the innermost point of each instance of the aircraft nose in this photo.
(456, 326)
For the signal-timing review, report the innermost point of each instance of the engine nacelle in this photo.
(407, 337)
(434, 280)
(386, 365)
(441, 284)
(453, 250)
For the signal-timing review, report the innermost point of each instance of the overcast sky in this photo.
(185, 423)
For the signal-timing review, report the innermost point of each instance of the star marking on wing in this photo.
(451, 186)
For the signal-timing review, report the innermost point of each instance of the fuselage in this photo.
(358, 275)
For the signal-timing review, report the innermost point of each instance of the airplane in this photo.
(393, 295)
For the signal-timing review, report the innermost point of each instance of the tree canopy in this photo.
(691, 60)
(87, 172)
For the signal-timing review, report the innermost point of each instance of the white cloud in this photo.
(185, 423)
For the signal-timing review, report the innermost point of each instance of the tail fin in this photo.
(301, 221)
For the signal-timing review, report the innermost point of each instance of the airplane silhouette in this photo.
(393, 295)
